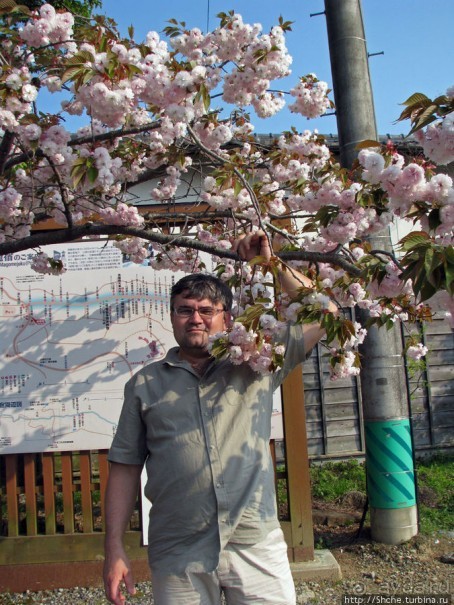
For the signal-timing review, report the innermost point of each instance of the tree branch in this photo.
(98, 138)
(5, 149)
(36, 240)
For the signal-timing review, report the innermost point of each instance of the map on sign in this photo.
(69, 343)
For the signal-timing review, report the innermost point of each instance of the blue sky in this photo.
(416, 37)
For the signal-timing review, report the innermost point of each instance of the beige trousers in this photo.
(256, 574)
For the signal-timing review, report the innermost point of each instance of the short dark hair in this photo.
(203, 285)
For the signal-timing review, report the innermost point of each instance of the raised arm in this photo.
(257, 244)
(121, 495)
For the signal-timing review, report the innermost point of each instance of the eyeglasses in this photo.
(204, 312)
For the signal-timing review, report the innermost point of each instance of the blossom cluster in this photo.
(113, 81)
(252, 339)
(407, 185)
(245, 345)
(151, 119)
(417, 351)
(48, 27)
(311, 97)
(176, 259)
(437, 140)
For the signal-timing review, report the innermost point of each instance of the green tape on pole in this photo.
(389, 464)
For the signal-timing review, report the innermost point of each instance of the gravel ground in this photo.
(421, 568)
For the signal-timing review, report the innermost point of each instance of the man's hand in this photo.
(117, 570)
(254, 244)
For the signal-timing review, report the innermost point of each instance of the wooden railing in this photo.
(59, 493)
(52, 520)
(51, 493)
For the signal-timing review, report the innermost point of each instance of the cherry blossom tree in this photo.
(155, 114)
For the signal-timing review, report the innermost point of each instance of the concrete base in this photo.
(393, 525)
(323, 567)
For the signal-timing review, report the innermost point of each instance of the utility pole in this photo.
(389, 449)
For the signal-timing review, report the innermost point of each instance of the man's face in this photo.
(191, 332)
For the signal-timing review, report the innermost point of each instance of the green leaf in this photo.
(429, 261)
(237, 187)
(434, 219)
(411, 271)
(78, 176)
(442, 100)
(258, 260)
(79, 171)
(449, 254)
(449, 270)
(6, 5)
(421, 285)
(417, 97)
(92, 174)
(71, 74)
(10, 6)
(285, 25)
(103, 45)
(88, 76)
(133, 70)
(427, 291)
(423, 121)
(81, 58)
(413, 239)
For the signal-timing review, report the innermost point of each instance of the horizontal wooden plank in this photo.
(311, 381)
(313, 430)
(444, 419)
(444, 388)
(331, 397)
(441, 372)
(333, 412)
(419, 406)
(440, 356)
(315, 447)
(341, 398)
(421, 438)
(64, 548)
(312, 397)
(342, 428)
(342, 408)
(444, 403)
(420, 422)
(440, 386)
(443, 436)
(343, 443)
(313, 414)
(437, 327)
(311, 366)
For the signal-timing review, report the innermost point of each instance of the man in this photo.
(202, 427)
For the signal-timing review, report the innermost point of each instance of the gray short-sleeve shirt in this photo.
(205, 443)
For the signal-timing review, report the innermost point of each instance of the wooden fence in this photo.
(52, 520)
(334, 409)
(53, 493)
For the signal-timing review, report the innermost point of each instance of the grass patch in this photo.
(435, 477)
(332, 480)
(436, 494)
